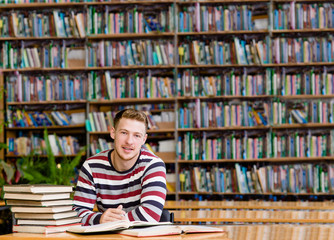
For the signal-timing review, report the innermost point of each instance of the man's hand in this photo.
(113, 214)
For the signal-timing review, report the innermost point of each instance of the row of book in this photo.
(201, 113)
(303, 50)
(130, 52)
(52, 54)
(26, 88)
(41, 208)
(243, 145)
(103, 121)
(190, 83)
(303, 16)
(42, 24)
(161, 52)
(100, 145)
(270, 82)
(297, 178)
(204, 18)
(136, 19)
(218, 114)
(302, 145)
(105, 86)
(217, 52)
(35, 145)
(192, 146)
(309, 82)
(313, 111)
(22, 118)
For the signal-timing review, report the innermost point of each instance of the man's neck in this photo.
(121, 165)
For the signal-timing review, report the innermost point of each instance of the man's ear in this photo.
(112, 133)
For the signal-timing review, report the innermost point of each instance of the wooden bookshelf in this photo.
(264, 68)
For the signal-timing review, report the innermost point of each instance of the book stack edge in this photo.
(41, 208)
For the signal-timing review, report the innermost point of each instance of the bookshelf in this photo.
(238, 89)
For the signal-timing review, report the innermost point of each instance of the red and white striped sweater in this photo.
(141, 190)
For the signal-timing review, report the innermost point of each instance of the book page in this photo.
(104, 227)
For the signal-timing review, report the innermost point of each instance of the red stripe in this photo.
(101, 157)
(152, 214)
(81, 213)
(118, 178)
(84, 180)
(88, 218)
(155, 174)
(83, 199)
(149, 154)
(115, 197)
(154, 193)
(130, 216)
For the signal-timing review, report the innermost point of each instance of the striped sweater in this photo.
(141, 190)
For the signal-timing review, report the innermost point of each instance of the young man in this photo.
(127, 182)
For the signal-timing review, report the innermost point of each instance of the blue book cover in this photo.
(88, 125)
(221, 54)
(239, 21)
(329, 49)
(249, 14)
(33, 120)
(181, 118)
(222, 182)
(181, 29)
(71, 90)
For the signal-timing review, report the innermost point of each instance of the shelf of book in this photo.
(261, 160)
(252, 72)
(41, 128)
(56, 102)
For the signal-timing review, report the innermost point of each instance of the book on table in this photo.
(169, 230)
(38, 197)
(51, 209)
(59, 215)
(38, 188)
(113, 226)
(143, 229)
(42, 229)
(42, 203)
(48, 222)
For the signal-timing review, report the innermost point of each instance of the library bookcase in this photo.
(240, 94)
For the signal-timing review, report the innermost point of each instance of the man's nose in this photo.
(129, 138)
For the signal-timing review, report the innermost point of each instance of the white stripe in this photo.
(155, 179)
(152, 197)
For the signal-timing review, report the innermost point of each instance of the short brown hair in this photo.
(131, 114)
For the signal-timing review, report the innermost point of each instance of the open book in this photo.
(113, 226)
(170, 230)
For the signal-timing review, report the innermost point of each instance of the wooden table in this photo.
(298, 205)
(67, 236)
(253, 216)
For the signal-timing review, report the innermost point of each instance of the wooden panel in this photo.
(327, 205)
(254, 216)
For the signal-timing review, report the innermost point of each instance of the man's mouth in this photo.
(128, 148)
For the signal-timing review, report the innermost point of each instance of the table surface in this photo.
(65, 236)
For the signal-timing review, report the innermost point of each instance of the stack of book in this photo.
(41, 208)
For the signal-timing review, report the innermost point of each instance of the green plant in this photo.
(36, 170)
(7, 171)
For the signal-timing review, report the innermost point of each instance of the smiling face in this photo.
(129, 135)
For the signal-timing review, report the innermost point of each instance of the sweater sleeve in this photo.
(153, 195)
(85, 197)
